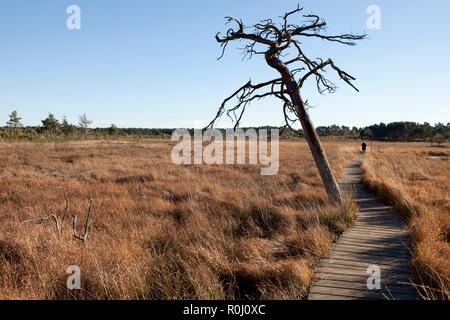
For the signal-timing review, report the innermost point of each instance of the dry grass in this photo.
(161, 231)
(410, 177)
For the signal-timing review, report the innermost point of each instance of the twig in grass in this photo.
(58, 223)
(86, 227)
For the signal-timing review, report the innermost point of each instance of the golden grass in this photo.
(410, 177)
(161, 231)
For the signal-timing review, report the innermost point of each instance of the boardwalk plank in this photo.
(365, 244)
(363, 267)
(376, 294)
(385, 275)
(360, 264)
(371, 260)
(361, 280)
(394, 242)
(318, 296)
(399, 289)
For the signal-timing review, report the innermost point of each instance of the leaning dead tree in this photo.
(276, 42)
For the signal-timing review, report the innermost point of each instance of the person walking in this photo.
(364, 146)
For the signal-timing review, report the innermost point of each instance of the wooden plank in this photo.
(361, 279)
(371, 246)
(373, 254)
(371, 236)
(376, 294)
(354, 261)
(368, 233)
(371, 260)
(363, 266)
(371, 231)
(381, 220)
(377, 208)
(374, 241)
(401, 289)
(385, 224)
(355, 294)
(351, 237)
(344, 272)
(380, 228)
(368, 244)
(382, 223)
(379, 250)
(388, 226)
(382, 216)
(380, 240)
(317, 296)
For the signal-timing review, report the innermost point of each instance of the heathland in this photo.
(165, 231)
(162, 231)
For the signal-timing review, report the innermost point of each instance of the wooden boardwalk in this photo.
(377, 238)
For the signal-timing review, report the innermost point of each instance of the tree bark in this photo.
(320, 158)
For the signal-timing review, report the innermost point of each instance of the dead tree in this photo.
(84, 123)
(83, 236)
(275, 42)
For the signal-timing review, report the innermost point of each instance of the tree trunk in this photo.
(320, 158)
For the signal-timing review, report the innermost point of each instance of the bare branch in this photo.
(347, 39)
(245, 95)
(58, 224)
(287, 14)
(320, 79)
(241, 34)
(83, 236)
(42, 219)
(64, 214)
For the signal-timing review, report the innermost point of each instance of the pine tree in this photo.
(67, 128)
(113, 131)
(14, 122)
(51, 124)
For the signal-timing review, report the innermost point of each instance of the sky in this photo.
(153, 64)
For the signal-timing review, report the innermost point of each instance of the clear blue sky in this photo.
(141, 63)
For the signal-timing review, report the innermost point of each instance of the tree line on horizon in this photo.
(394, 131)
(53, 128)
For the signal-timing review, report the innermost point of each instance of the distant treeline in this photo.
(395, 131)
(55, 129)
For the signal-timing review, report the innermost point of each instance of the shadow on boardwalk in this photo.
(378, 240)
